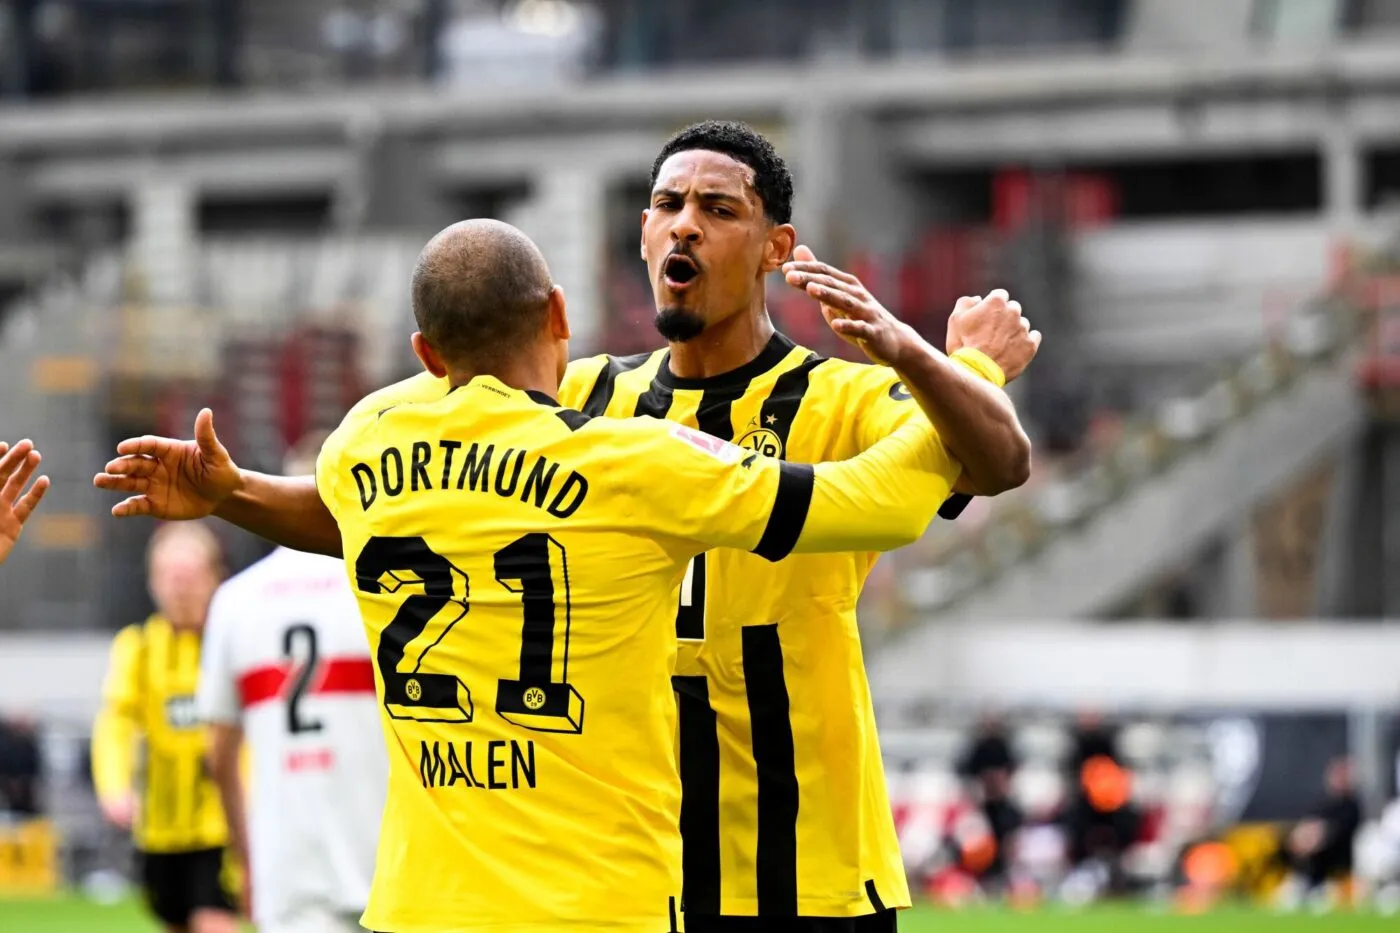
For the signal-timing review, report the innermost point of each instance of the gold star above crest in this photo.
(771, 419)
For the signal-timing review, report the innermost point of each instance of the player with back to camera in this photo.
(17, 465)
(758, 640)
(148, 744)
(286, 665)
(516, 564)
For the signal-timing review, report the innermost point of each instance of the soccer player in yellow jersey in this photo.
(148, 745)
(17, 464)
(786, 814)
(516, 564)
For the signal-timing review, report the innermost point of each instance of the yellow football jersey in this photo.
(517, 566)
(785, 807)
(148, 736)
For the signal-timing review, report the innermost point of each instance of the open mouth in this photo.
(680, 271)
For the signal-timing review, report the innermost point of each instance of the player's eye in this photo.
(722, 212)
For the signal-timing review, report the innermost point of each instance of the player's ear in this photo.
(429, 357)
(646, 213)
(558, 314)
(781, 240)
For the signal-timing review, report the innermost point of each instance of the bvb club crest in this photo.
(760, 438)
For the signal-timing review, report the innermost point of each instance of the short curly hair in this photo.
(771, 178)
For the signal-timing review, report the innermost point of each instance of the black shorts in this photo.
(886, 921)
(176, 884)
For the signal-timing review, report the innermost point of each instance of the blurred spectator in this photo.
(1093, 738)
(19, 766)
(990, 751)
(1101, 823)
(1004, 819)
(1319, 849)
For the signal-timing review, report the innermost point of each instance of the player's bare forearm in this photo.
(975, 419)
(286, 510)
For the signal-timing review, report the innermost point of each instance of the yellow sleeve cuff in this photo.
(980, 364)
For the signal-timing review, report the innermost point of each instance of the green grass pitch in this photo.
(74, 915)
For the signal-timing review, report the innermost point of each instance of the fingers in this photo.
(31, 499)
(804, 253)
(14, 456)
(20, 477)
(966, 302)
(130, 508)
(148, 445)
(856, 330)
(803, 279)
(1035, 340)
(118, 483)
(820, 268)
(841, 300)
(204, 435)
(143, 467)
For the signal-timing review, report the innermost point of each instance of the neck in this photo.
(724, 346)
(522, 374)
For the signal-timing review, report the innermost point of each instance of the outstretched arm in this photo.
(972, 415)
(17, 464)
(182, 480)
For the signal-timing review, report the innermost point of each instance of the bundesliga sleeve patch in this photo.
(720, 450)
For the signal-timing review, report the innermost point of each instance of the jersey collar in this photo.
(494, 385)
(776, 350)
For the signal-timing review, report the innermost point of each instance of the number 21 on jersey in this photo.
(527, 566)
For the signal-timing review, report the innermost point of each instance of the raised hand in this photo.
(849, 308)
(17, 465)
(172, 479)
(996, 326)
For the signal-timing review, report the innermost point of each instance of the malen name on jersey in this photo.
(439, 769)
(482, 469)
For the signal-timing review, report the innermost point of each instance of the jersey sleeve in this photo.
(687, 485)
(882, 404)
(579, 380)
(115, 733)
(217, 698)
(881, 499)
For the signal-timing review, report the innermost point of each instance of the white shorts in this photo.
(315, 920)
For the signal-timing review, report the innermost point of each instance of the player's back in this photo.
(285, 654)
(516, 568)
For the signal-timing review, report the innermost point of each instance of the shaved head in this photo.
(480, 292)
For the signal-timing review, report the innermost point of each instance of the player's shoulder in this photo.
(422, 387)
(855, 379)
(584, 375)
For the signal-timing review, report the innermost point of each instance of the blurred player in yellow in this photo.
(17, 464)
(149, 746)
(517, 565)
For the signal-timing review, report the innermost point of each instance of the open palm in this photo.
(17, 465)
(171, 479)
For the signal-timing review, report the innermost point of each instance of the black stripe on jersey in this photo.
(671, 907)
(602, 392)
(699, 754)
(655, 402)
(790, 505)
(953, 506)
(780, 408)
(714, 414)
(874, 896)
(774, 760)
(574, 419)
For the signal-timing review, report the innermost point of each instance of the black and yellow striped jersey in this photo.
(785, 810)
(148, 738)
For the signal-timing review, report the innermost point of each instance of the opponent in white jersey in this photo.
(286, 663)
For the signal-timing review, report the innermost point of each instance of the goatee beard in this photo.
(678, 325)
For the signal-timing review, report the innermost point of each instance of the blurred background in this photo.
(1154, 670)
